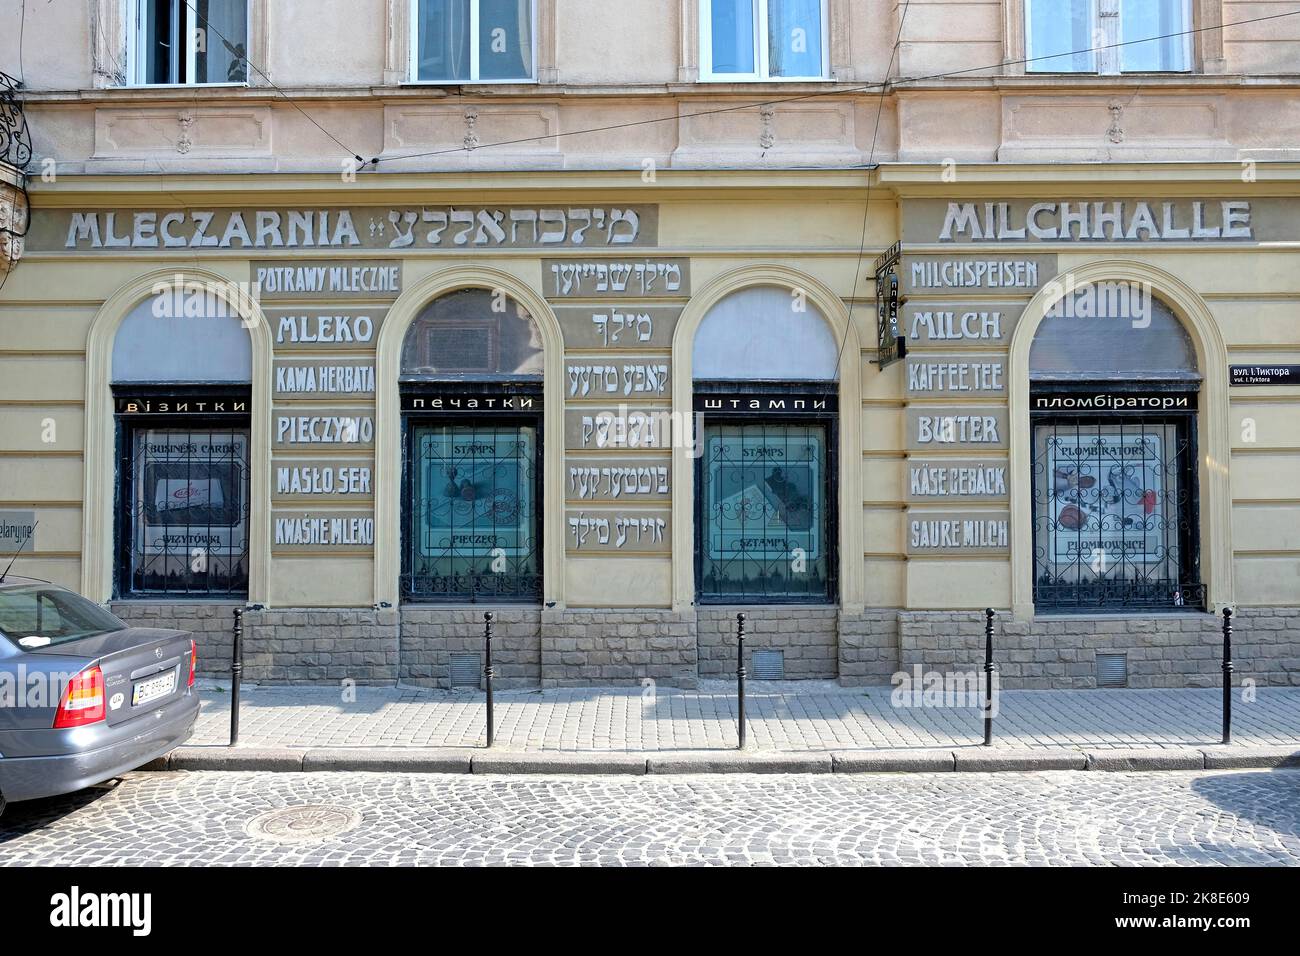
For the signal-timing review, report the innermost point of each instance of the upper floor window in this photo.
(472, 41)
(763, 40)
(189, 41)
(1097, 36)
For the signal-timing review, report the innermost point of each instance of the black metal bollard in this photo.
(989, 669)
(1227, 675)
(740, 677)
(488, 674)
(236, 674)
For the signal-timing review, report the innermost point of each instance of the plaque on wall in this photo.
(938, 533)
(628, 378)
(323, 378)
(338, 479)
(944, 427)
(944, 324)
(618, 479)
(1264, 375)
(325, 328)
(941, 480)
(334, 531)
(617, 532)
(329, 279)
(616, 278)
(935, 375)
(311, 429)
(612, 326)
(461, 228)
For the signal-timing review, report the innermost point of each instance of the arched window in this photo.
(1113, 389)
(764, 363)
(471, 384)
(181, 374)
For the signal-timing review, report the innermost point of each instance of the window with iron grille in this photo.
(764, 509)
(1115, 509)
(471, 387)
(183, 504)
(473, 509)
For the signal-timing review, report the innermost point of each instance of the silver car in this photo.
(83, 697)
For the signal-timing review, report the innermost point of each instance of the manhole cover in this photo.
(307, 824)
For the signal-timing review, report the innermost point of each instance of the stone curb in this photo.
(895, 761)
(470, 760)
(992, 759)
(1129, 760)
(388, 761)
(1230, 757)
(561, 763)
(739, 762)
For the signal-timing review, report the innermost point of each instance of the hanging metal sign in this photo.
(890, 345)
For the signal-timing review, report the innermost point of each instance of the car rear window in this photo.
(41, 615)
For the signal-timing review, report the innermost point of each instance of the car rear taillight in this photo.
(83, 700)
(194, 660)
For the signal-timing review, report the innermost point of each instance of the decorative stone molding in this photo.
(13, 218)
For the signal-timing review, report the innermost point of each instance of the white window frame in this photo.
(135, 45)
(413, 67)
(1107, 23)
(761, 58)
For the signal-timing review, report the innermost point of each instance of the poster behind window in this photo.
(1108, 497)
(190, 495)
(477, 492)
(765, 497)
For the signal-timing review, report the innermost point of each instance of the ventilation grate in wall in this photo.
(769, 665)
(1112, 670)
(465, 670)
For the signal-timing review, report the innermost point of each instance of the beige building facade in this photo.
(372, 317)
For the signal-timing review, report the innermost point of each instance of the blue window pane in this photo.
(1154, 18)
(794, 34)
(1059, 36)
(505, 46)
(442, 50)
(732, 28)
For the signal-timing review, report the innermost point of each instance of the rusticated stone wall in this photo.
(1175, 650)
(585, 646)
(431, 634)
(804, 635)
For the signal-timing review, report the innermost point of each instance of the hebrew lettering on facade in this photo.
(649, 277)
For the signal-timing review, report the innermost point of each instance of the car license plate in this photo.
(153, 689)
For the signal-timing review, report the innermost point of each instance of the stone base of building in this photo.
(1159, 650)
(595, 646)
(434, 646)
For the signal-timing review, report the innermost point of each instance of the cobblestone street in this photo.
(1158, 819)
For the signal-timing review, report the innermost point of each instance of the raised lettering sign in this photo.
(325, 328)
(616, 278)
(467, 227)
(955, 532)
(945, 479)
(941, 427)
(617, 532)
(329, 279)
(611, 326)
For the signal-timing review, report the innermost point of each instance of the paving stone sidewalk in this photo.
(802, 717)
